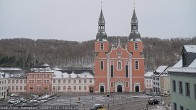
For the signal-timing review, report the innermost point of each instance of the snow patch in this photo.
(148, 74)
(190, 48)
(193, 64)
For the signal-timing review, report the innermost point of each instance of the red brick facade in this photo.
(119, 69)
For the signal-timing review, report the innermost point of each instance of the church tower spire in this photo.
(134, 35)
(101, 35)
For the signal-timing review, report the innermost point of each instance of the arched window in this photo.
(136, 46)
(119, 65)
(126, 71)
(101, 65)
(101, 46)
(112, 71)
(136, 65)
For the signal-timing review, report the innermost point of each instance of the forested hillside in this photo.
(22, 52)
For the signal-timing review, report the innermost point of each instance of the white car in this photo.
(33, 101)
(42, 101)
(14, 95)
(13, 101)
(44, 97)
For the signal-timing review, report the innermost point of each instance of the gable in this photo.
(118, 52)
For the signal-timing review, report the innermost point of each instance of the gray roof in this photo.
(101, 35)
(134, 17)
(101, 18)
(134, 35)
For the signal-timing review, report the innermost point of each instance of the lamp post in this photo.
(69, 90)
(162, 96)
(113, 96)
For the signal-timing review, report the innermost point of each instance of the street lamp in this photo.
(113, 96)
(69, 90)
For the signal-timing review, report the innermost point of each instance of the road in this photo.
(115, 101)
(124, 101)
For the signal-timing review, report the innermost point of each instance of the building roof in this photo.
(101, 18)
(178, 64)
(183, 70)
(9, 68)
(101, 35)
(190, 69)
(134, 17)
(77, 71)
(134, 35)
(41, 65)
(178, 68)
(190, 48)
(160, 69)
(148, 74)
(12, 71)
(193, 64)
(60, 74)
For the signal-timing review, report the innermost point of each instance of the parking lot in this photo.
(81, 101)
(115, 101)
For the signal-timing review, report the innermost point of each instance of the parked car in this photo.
(98, 107)
(22, 105)
(42, 101)
(153, 101)
(23, 100)
(11, 101)
(33, 101)
(135, 97)
(46, 96)
(14, 95)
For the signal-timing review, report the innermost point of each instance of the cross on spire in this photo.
(101, 4)
(133, 4)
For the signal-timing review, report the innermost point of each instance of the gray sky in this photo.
(78, 19)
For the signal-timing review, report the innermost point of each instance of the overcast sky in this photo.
(77, 20)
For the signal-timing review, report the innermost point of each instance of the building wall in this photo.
(76, 84)
(156, 84)
(3, 88)
(127, 56)
(148, 82)
(181, 99)
(166, 84)
(16, 85)
(39, 82)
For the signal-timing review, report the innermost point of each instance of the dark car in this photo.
(98, 107)
(153, 101)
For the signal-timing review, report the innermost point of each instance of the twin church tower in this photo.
(119, 69)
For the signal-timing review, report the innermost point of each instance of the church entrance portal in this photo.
(101, 89)
(119, 88)
(136, 88)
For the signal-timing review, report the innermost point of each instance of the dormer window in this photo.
(101, 46)
(136, 46)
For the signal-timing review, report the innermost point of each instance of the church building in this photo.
(119, 69)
